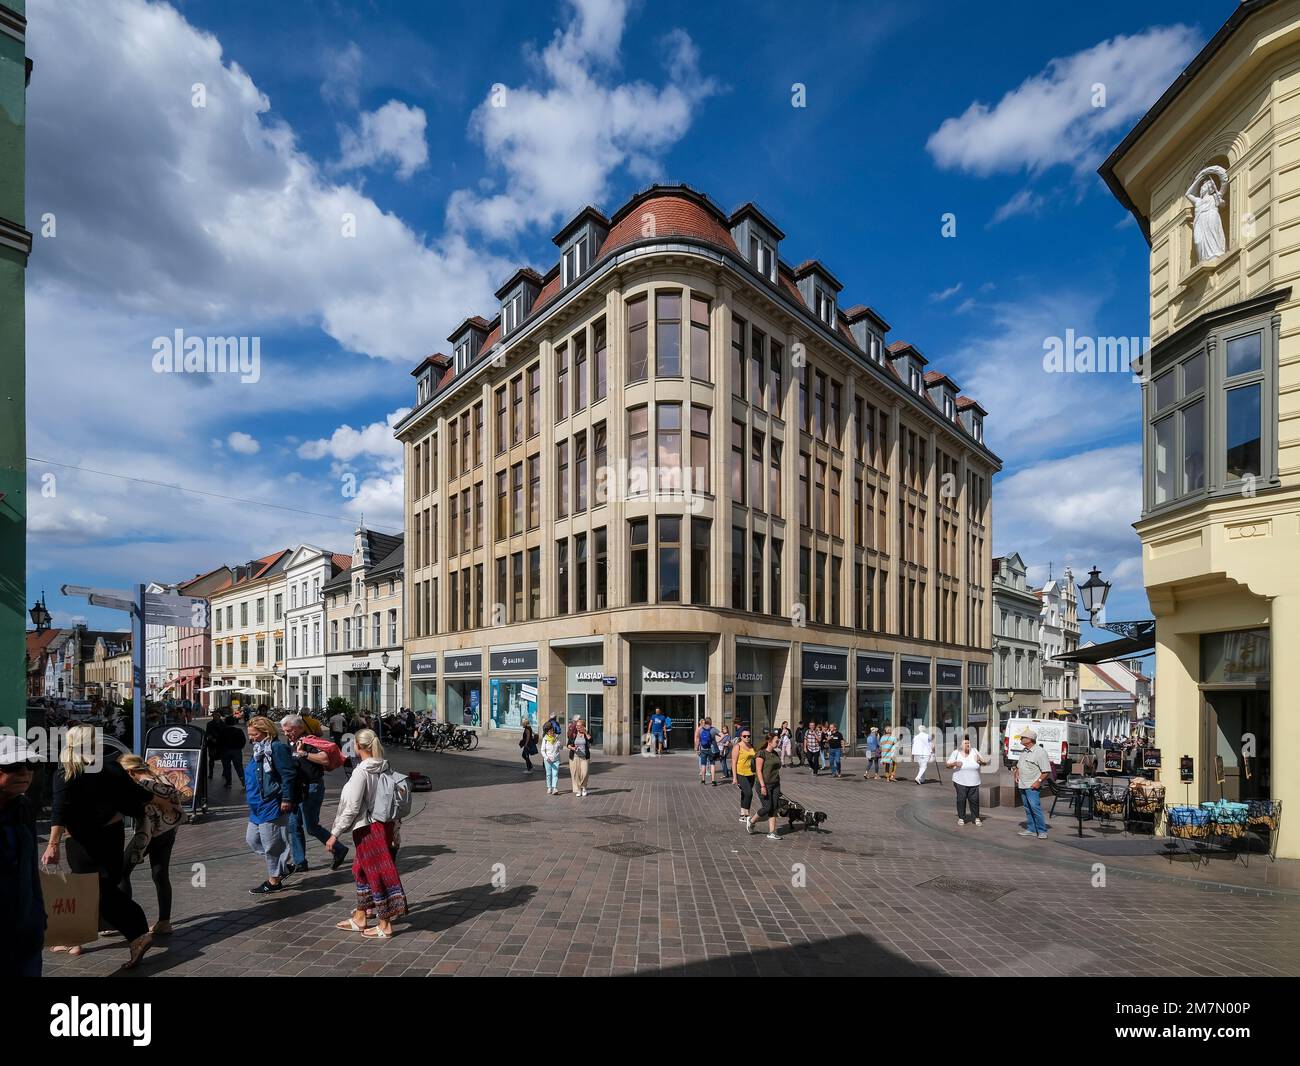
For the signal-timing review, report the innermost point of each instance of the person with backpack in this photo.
(371, 808)
(704, 745)
(579, 757)
(873, 754)
(551, 748)
(270, 786)
(313, 758)
(528, 745)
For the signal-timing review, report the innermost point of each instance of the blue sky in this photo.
(222, 219)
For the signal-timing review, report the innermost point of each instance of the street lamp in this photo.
(384, 659)
(39, 615)
(1093, 593)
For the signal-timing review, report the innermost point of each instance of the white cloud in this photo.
(243, 443)
(560, 144)
(1052, 118)
(1025, 202)
(343, 69)
(394, 133)
(50, 517)
(939, 297)
(380, 500)
(345, 443)
(214, 214)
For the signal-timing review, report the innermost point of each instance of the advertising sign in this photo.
(875, 670)
(1113, 760)
(175, 752)
(1151, 758)
(825, 666)
(1186, 770)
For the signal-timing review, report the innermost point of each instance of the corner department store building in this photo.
(672, 473)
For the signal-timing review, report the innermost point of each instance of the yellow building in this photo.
(1212, 174)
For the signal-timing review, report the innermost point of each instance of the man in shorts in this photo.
(767, 766)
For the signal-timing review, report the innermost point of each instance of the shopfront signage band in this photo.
(420, 667)
(949, 675)
(824, 666)
(520, 659)
(463, 662)
(873, 670)
(916, 673)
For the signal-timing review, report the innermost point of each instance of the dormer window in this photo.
(424, 388)
(462, 356)
(824, 306)
(977, 428)
(512, 313)
(575, 260)
(762, 257)
(877, 351)
(914, 380)
(949, 407)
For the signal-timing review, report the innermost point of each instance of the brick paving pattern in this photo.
(893, 887)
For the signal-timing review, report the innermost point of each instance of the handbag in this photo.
(71, 907)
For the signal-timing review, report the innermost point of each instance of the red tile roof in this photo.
(675, 215)
(343, 562)
(964, 402)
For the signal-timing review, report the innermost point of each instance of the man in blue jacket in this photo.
(22, 908)
(270, 789)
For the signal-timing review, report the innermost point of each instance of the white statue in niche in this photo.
(1207, 226)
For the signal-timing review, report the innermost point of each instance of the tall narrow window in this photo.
(503, 507)
(700, 338)
(819, 406)
(639, 572)
(534, 583)
(561, 382)
(738, 567)
(756, 573)
(805, 489)
(819, 498)
(580, 571)
(757, 366)
(738, 462)
(835, 425)
(804, 406)
(836, 515)
(502, 436)
(700, 561)
(580, 472)
(600, 357)
(534, 491)
(668, 446)
(774, 577)
(517, 426)
(637, 344)
(580, 371)
(819, 589)
(805, 579)
(700, 449)
(756, 470)
(737, 355)
(670, 559)
(600, 567)
(534, 400)
(668, 334)
(836, 568)
(774, 478)
(600, 457)
(466, 448)
(562, 479)
(517, 587)
(517, 497)
(502, 591)
(562, 577)
(776, 392)
(638, 436)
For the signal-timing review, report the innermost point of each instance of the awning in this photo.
(1124, 648)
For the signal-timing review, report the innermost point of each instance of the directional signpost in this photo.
(146, 609)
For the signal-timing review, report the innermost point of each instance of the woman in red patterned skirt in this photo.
(379, 889)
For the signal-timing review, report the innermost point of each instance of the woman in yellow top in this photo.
(742, 769)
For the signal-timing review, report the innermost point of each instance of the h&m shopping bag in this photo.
(71, 907)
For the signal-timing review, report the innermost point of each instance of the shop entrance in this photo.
(684, 710)
(754, 711)
(591, 707)
(464, 702)
(1238, 745)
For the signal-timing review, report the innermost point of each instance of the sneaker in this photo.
(264, 888)
(1026, 833)
(1042, 836)
(289, 868)
(744, 818)
(961, 821)
(978, 822)
(749, 825)
(584, 791)
(340, 857)
(773, 836)
(715, 784)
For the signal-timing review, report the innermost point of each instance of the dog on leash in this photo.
(794, 811)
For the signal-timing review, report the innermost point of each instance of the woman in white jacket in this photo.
(379, 889)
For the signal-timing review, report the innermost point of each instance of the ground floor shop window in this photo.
(950, 710)
(424, 697)
(513, 702)
(591, 708)
(363, 691)
(754, 710)
(825, 705)
(464, 702)
(916, 708)
(875, 708)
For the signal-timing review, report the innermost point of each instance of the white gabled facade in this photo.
(307, 572)
(248, 637)
(1058, 634)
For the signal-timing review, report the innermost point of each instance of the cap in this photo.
(15, 750)
(1028, 734)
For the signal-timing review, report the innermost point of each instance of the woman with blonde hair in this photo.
(379, 888)
(155, 835)
(92, 794)
(270, 785)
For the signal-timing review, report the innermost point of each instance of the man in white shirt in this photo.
(922, 751)
(338, 725)
(965, 763)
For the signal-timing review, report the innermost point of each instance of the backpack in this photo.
(392, 800)
(327, 748)
(706, 738)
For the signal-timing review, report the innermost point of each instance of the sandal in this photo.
(350, 926)
(376, 934)
(139, 946)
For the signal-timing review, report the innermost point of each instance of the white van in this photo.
(1064, 741)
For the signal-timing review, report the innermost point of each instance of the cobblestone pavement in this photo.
(893, 887)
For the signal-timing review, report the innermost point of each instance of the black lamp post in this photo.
(39, 615)
(1093, 593)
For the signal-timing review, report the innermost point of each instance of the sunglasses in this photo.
(744, 736)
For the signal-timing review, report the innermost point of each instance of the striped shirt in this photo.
(887, 744)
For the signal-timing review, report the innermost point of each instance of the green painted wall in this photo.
(13, 381)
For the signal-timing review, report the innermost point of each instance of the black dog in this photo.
(794, 811)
